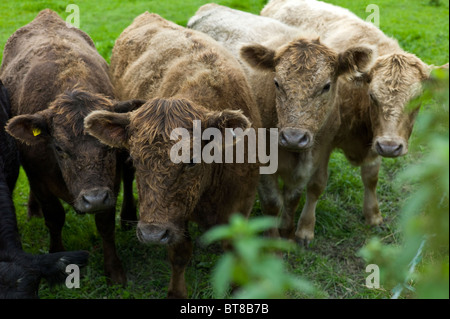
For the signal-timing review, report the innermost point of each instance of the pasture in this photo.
(332, 263)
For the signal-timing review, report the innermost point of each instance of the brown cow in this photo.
(20, 272)
(375, 119)
(186, 76)
(303, 102)
(55, 78)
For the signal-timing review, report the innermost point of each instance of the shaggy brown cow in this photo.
(186, 76)
(375, 119)
(303, 101)
(55, 78)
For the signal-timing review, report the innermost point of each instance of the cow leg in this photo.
(292, 192)
(179, 255)
(316, 186)
(105, 223)
(54, 216)
(270, 198)
(369, 176)
(128, 212)
(34, 209)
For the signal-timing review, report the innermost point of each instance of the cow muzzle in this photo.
(155, 234)
(95, 200)
(390, 147)
(295, 139)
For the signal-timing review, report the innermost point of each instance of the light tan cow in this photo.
(375, 119)
(296, 81)
(395, 77)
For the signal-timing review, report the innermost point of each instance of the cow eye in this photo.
(61, 152)
(373, 99)
(277, 85)
(58, 149)
(326, 88)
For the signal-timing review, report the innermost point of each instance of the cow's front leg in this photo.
(53, 211)
(114, 271)
(292, 192)
(179, 255)
(307, 221)
(270, 198)
(369, 176)
(34, 208)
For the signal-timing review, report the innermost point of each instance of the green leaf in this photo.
(217, 233)
(248, 249)
(222, 275)
(259, 224)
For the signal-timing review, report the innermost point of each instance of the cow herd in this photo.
(78, 127)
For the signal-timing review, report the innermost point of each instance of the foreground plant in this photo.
(252, 264)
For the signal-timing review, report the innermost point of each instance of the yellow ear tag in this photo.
(36, 131)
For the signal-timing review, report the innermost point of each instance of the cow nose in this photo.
(149, 233)
(295, 138)
(95, 200)
(389, 148)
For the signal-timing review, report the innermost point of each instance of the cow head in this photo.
(395, 80)
(305, 78)
(168, 191)
(87, 166)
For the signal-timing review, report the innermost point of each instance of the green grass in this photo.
(332, 263)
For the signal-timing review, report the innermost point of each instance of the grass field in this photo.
(332, 263)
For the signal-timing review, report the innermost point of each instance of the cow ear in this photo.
(228, 119)
(356, 62)
(128, 106)
(259, 56)
(30, 129)
(442, 67)
(428, 70)
(108, 127)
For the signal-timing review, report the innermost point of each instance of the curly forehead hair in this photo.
(161, 116)
(74, 105)
(304, 53)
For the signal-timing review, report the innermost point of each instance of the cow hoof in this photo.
(374, 220)
(303, 242)
(304, 238)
